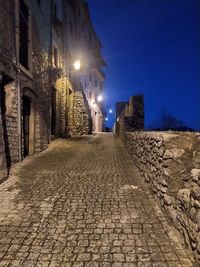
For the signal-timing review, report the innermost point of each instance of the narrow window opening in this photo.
(23, 36)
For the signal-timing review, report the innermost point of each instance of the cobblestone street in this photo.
(82, 203)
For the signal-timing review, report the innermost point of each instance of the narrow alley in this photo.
(82, 202)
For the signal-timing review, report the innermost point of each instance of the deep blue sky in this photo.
(152, 47)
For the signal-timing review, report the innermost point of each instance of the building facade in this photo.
(41, 94)
(75, 107)
(24, 70)
(93, 80)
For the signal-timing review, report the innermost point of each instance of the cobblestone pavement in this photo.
(82, 203)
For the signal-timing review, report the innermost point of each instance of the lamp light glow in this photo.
(99, 98)
(110, 111)
(77, 65)
(106, 119)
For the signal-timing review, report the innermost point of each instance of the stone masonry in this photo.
(37, 90)
(82, 121)
(170, 163)
(3, 164)
(8, 123)
(33, 80)
(82, 203)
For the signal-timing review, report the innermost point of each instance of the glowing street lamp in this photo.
(99, 98)
(77, 65)
(110, 111)
(106, 119)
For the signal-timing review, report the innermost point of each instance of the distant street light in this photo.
(110, 111)
(99, 98)
(77, 65)
(106, 119)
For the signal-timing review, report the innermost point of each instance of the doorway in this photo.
(26, 124)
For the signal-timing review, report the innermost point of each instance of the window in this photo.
(58, 11)
(96, 83)
(23, 36)
(55, 11)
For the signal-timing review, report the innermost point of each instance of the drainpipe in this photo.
(18, 80)
(19, 115)
(65, 53)
(50, 52)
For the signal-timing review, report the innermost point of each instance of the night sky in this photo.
(151, 47)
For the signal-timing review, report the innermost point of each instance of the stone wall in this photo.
(170, 164)
(6, 42)
(3, 165)
(34, 83)
(82, 120)
(11, 140)
(41, 71)
(8, 122)
(61, 116)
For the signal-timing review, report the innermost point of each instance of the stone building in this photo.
(70, 110)
(93, 81)
(130, 115)
(75, 107)
(87, 85)
(41, 94)
(24, 48)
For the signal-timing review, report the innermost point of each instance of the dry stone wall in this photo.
(170, 164)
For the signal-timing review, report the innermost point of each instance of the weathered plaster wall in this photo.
(170, 164)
